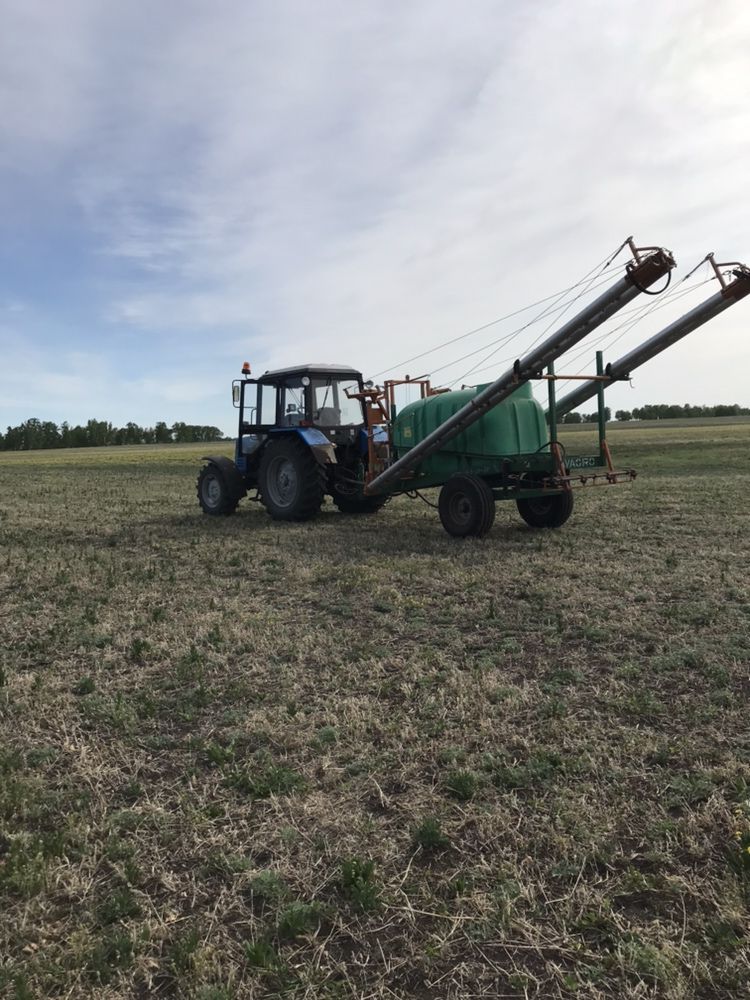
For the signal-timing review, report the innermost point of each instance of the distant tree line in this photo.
(667, 411)
(661, 411)
(33, 433)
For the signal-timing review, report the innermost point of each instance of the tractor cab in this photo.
(306, 396)
(301, 435)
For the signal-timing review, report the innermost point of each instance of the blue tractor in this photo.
(301, 435)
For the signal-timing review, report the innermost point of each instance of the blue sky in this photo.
(186, 186)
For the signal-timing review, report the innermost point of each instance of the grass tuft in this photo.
(297, 919)
(462, 785)
(428, 834)
(358, 882)
(86, 685)
(263, 781)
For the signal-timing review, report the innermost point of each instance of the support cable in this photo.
(564, 308)
(635, 316)
(602, 264)
(629, 324)
(633, 323)
(642, 312)
(548, 311)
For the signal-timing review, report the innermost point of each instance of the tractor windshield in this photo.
(331, 406)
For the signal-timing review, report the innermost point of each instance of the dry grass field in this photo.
(356, 758)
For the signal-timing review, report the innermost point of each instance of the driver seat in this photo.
(328, 416)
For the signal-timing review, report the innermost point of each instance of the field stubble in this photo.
(356, 758)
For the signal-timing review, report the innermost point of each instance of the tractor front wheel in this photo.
(290, 481)
(213, 493)
(546, 512)
(466, 507)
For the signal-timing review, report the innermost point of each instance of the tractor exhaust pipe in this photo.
(619, 370)
(642, 272)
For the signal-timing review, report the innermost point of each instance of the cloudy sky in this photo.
(189, 185)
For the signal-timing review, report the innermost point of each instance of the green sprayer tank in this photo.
(517, 426)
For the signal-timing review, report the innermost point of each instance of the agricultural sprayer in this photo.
(313, 430)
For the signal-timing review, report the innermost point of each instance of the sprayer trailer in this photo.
(315, 430)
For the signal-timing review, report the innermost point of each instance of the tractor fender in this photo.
(320, 446)
(230, 473)
(322, 449)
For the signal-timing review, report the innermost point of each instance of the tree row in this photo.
(34, 433)
(662, 411)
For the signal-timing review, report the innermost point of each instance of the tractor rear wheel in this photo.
(213, 493)
(466, 507)
(290, 481)
(546, 512)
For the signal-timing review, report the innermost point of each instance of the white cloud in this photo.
(358, 182)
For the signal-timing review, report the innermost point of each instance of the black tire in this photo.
(466, 507)
(489, 516)
(546, 512)
(358, 503)
(213, 493)
(290, 481)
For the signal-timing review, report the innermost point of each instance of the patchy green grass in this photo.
(356, 758)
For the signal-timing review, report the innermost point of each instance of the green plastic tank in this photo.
(514, 427)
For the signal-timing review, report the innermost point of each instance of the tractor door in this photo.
(258, 415)
(293, 402)
(258, 407)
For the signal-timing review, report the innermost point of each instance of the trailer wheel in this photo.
(290, 480)
(546, 512)
(466, 507)
(213, 493)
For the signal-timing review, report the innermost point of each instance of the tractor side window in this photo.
(293, 409)
(267, 402)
